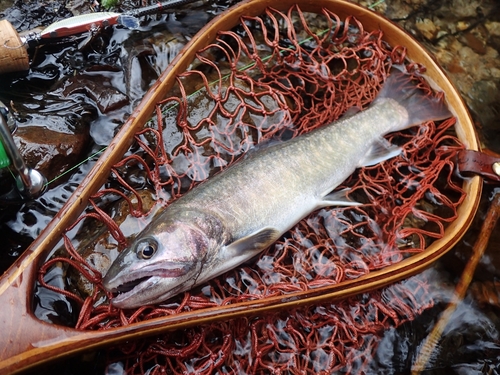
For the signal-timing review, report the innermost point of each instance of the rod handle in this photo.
(13, 54)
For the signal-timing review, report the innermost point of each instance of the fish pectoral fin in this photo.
(381, 150)
(337, 198)
(254, 242)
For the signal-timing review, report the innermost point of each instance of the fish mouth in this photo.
(133, 290)
(128, 286)
(125, 280)
(143, 287)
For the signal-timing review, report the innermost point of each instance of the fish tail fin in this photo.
(421, 106)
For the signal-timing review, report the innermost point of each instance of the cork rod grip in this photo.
(13, 55)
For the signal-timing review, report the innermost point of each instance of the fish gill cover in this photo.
(274, 76)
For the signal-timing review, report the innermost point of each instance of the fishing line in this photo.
(77, 165)
(213, 83)
(375, 4)
(265, 58)
(247, 67)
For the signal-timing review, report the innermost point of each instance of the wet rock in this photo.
(26, 15)
(139, 72)
(476, 44)
(486, 293)
(99, 89)
(48, 151)
(476, 39)
(488, 268)
(52, 131)
(144, 58)
(469, 61)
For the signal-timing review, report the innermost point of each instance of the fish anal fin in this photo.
(351, 112)
(381, 150)
(337, 198)
(254, 242)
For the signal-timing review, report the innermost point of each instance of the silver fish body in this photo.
(244, 209)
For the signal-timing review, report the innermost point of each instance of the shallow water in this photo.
(127, 61)
(466, 39)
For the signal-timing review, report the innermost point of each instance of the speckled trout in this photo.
(244, 209)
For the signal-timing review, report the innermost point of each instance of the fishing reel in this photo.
(30, 183)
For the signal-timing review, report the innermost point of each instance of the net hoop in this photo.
(40, 248)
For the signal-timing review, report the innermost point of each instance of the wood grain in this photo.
(13, 54)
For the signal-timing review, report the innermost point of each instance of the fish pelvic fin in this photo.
(337, 198)
(381, 150)
(420, 105)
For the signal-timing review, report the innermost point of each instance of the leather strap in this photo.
(476, 162)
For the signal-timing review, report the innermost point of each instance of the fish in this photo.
(242, 210)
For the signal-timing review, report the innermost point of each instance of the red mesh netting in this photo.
(322, 339)
(275, 76)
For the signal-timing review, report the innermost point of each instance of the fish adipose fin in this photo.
(421, 106)
(381, 150)
(254, 242)
(337, 198)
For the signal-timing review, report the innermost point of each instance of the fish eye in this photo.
(146, 248)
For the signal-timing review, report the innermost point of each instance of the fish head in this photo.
(160, 262)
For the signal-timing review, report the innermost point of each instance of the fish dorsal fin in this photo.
(264, 145)
(254, 242)
(381, 150)
(337, 198)
(277, 139)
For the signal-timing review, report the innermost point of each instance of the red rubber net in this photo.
(278, 75)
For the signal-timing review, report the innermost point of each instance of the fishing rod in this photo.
(13, 48)
(29, 182)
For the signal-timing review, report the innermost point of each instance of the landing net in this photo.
(274, 76)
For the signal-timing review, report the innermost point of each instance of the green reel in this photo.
(4, 158)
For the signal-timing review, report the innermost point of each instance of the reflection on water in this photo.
(469, 344)
(78, 94)
(464, 36)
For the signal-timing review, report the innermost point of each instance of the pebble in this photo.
(462, 25)
(477, 44)
(493, 28)
(427, 28)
